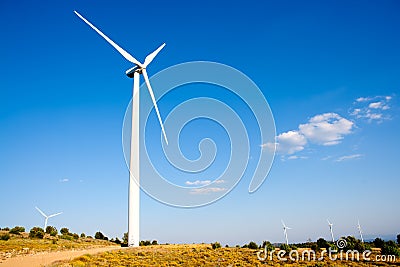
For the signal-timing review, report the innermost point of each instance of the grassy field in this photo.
(21, 244)
(195, 255)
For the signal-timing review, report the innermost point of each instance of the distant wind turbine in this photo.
(360, 231)
(134, 187)
(285, 228)
(330, 228)
(47, 217)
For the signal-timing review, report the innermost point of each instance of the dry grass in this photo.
(21, 244)
(194, 255)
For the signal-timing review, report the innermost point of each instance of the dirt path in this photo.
(46, 258)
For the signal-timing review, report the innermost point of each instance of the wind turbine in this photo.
(285, 228)
(330, 228)
(134, 187)
(359, 230)
(46, 217)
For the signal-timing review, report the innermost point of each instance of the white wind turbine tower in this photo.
(285, 228)
(331, 229)
(46, 218)
(134, 187)
(360, 231)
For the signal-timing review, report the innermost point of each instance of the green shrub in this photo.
(83, 235)
(154, 242)
(252, 245)
(285, 247)
(64, 231)
(75, 236)
(99, 235)
(390, 248)
(215, 245)
(36, 232)
(5, 236)
(17, 230)
(67, 237)
(51, 230)
(267, 245)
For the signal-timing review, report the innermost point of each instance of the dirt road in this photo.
(46, 258)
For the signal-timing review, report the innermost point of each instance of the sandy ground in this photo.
(46, 258)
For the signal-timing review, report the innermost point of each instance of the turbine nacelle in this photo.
(130, 72)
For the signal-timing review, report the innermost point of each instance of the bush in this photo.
(125, 238)
(36, 232)
(252, 245)
(83, 235)
(99, 235)
(64, 231)
(378, 242)
(267, 245)
(398, 239)
(145, 243)
(6, 229)
(51, 230)
(390, 248)
(67, 237)
(5, 236)
(75, 236)
(285, 247)
(154, 242)
(322, 243)
(215, 245)
(17, 229)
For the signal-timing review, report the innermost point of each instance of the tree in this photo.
(390, 248)
(99, 235)
(17, 230)
(378, 242)
(64, 231)
(51, 230)
(36, 232)
(125, 238)
(322, 243)
(267, 245)
(154, 242)
(215, 245)
(398, 239)
(5, 236)
(83, 235)
(252, 245)
(75, 236)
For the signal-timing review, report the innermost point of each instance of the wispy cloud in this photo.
(372, 109)
(206, 190)
(203, 182)
(349, 157)
(65, 180)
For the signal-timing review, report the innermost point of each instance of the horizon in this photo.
(329, 72)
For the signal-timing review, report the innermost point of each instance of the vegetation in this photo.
(398, 239)
(17, 230)
(5, 236)
(215, 245)
(51, 230)
(36, 232)
(196, 255)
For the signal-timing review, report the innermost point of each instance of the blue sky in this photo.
(330, 73)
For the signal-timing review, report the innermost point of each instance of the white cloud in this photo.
(375, 105)
(289, 143)
(296, 157)
(65, 180)
(363, 99)
(373, 109)
(326, 129)
(206, 190)
(203, 182)
(349, 157)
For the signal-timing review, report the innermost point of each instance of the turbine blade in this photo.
(41, 212)
(283, 224)
(146, 78)
(125, 54)
(54, 214)
(151, 56)
(328, 221)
